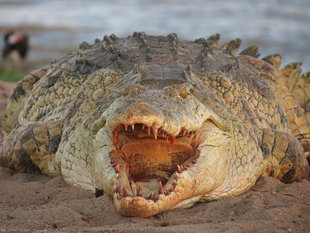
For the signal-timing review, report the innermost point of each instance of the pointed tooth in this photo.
(139, 193)
(126, 127)
(151, 196)
(156, 197)
(174, 183)
(133, 126)
(155, 133)
(117, 145)
(143, 126)
(177, 176)
(133, 188)
(148, 130)
(179, 169)
(184, 132)
(171, 189)
(117, 168)
(117, 186)
(160, 189)
(124, 191)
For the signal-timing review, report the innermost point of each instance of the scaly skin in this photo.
(157, 122)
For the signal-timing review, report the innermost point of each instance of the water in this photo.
(277, 26)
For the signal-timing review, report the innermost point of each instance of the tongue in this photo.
(154, 159)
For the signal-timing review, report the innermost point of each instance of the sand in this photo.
(36, 203)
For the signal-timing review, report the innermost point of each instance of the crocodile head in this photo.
(159, 149)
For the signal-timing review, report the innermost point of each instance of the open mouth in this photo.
(148, 161)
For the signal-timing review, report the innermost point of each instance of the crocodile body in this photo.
(158, 122)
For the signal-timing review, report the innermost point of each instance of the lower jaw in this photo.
(141, 207)
(182, 196)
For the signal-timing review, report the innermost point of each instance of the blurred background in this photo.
(56, 27)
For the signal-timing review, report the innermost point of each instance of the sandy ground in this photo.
(36, 203)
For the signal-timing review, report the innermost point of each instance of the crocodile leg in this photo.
(284, 156)
(18, 98)
(31, 148)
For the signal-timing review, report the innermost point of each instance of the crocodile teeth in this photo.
(126, 127)
(133, 188)
(160, 190)
(117, 187)
(155, 132)
(117, 168)
(124, 191)
(148, 130)
(179, 168)
(139, 193)
(133, 126)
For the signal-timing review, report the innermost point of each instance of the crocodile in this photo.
(158, 122)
